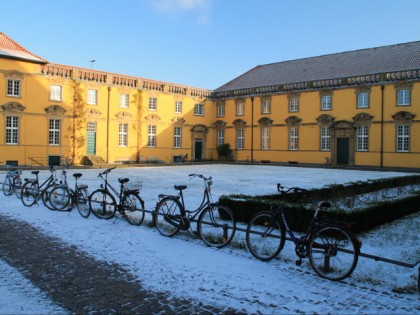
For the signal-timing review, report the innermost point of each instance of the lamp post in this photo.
(91, 63)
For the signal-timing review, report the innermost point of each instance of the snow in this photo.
(185, 267)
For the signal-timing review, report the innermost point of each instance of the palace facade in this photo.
(356, 108)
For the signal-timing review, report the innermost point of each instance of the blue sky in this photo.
(202, 43)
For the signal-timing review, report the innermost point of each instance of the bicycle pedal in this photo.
(298, 262)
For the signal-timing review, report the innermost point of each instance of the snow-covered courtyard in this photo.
(186, 268)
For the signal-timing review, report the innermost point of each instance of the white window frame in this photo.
(124, 100)
(362, 138)
(363, 100)
(325, 138)
(54, 131)
(294, 138)
(13, 88)
(199, 109)
(326, 102)
(240, 109)
(92, 97)
(265, 138)
(220, 137)
(220, 110)
(403, 138)
(178, 107)
(151, 136)
(240, 138)
(294, 104)
(266, 107)
(153, 103)
(123, 135)
(177, 137)
(56, 93)
(12, 130)
(403, 97)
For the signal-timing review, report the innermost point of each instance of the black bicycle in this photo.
(12, 183)
(216, 224)
(62, 197)
(32, 191)
(103, 205)
(331, 246)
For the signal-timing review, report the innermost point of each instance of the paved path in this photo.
(81, 284)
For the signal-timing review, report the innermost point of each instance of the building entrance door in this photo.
(343, 151)
(91, 138)
(198, 149)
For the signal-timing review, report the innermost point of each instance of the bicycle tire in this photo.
(132, 207)
(102, 204)
(30, 193)
(60, 198)
(7, 186)
(17, 184)
(333, 252)
(82, 202)
(46, 194)
(167, 216)
(216, 225)
(265, 236)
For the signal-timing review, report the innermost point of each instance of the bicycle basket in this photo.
(14, 173)
(134, 185)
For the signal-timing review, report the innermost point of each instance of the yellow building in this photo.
(357, 108)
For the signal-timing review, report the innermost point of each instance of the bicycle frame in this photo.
(50, 179)
(109, 188)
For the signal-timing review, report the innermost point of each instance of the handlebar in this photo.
(201, 176)
(106, 171)
(282, 189)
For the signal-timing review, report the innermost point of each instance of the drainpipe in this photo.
(107, 124)
(382, 127)
(252, 129)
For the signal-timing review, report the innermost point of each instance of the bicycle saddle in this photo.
(180, 187)
(35, 172)
(123, 180)
(77, 175)
(324, 204)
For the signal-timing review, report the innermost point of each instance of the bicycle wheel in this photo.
(133, 209)
(17, 184)
(8, 186)
(82, 202)
(167, 216)
(265, 236)
(216, 226)
(102, 204)
(30, 193)
(333, 252)
(60, 198)
(46, 194)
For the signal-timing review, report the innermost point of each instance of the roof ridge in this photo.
(14, 44)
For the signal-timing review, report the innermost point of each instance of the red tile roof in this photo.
(11, 49)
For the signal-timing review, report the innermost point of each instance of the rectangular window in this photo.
(326, 102)
(199, 110)
(151, 136)
(220, 110)
(293, 138)
(123, 135)
(152, 103)
(220, 137)
(12, 129)
(325, 139)
(362, 139)
(293, 104)
(13, 88)
(363, 100)
(92, 97)
(266, 107)
(177, 137)
(54, 132)
(240, 136)
(265, 138)
(178, 107)
(55, 93)
(240, 109)
(403, 97)
(403, 138)
(124, 100)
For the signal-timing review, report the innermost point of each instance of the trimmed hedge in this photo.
(299, 216)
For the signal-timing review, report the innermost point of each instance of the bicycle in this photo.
(32, 191)
(12, 183)
(62, 197)
(103, 205)
(216, 224)
(331, 246)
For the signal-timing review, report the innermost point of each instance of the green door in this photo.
(198, 149)
(91, 138)
(343, 151)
